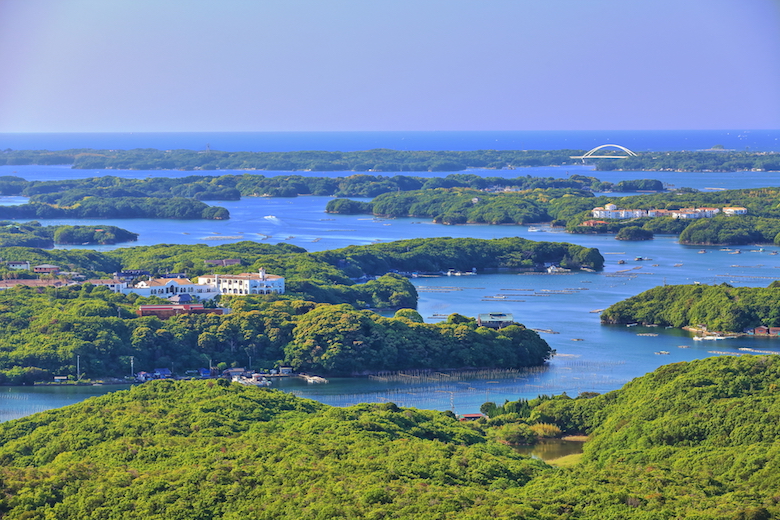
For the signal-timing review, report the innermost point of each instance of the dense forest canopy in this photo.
(368, 160)
(717, 307)
(233, 186)
(690, 440)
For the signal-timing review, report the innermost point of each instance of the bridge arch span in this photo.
(593, 151)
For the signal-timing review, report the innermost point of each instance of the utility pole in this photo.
(132, 371)
(78, 368)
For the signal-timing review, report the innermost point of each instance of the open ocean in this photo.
(636, 140)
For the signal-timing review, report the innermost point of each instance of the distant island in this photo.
(385, 160)
(714, 308)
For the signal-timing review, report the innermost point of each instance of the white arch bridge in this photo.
(592, 153)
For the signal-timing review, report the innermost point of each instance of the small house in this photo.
(761, 331)
(471, 416)
(285, 371)
(162, 373)
(18, 265)
(46, 269)
(495, 320)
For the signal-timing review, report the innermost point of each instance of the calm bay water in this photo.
(590, 356)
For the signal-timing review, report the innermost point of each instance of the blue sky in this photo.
(326, 65)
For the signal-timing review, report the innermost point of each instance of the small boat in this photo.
(577, 339)
(533, 229)
(621, 262)
(773, 253)
(662, 353)
(702, 251)
(631, 324)
(683, 346)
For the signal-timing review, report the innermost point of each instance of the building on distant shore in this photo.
(613, 212)
(18, 265)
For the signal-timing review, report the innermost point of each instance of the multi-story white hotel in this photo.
(245, 283)
(211, 285)
(612, 211)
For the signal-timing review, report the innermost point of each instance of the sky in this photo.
(358, 65)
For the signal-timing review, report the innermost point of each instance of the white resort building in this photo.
(612, 211)
(210, 285)
(245, 283)
(167, 287)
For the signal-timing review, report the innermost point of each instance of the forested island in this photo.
(385, 160)
(690, 440)
(715, 307)
(33, 234)
(234, 186)
(321, 323)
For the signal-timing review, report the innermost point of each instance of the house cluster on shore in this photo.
(763, 330)
(613, 212)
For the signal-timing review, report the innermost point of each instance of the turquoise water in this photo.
(590, 356)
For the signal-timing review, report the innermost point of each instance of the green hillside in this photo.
(692, 440)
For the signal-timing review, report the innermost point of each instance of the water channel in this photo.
(590, 356)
